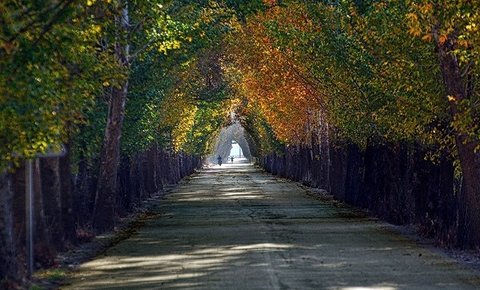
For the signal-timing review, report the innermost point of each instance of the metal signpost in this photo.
(29, 199)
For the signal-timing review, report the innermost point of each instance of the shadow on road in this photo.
(233, 227)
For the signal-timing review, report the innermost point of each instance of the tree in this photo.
(148, 29)
(8, 264)
(451, 27)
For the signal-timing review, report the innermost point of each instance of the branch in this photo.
(132, 56)
(137, 26)
(37, 20)
(52, 21)
(466, 71)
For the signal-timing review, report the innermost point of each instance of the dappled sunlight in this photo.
(234, 189)
(374, 287)
(163, 268)
(235, 197)
(227, 196)
(185, 269)
(156, 122)
(161, 278)
(264, 246)
(234, 228)
(244, 195)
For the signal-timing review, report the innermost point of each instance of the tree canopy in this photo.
(135, 82)
(291, 72)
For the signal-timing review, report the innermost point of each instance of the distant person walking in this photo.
(219, 160)
(231, 158)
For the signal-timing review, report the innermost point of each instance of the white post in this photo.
(29, 198)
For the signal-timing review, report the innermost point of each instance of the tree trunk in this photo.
(9, 273)
(44, 254)
(52, 202)
(104, 210)
(81, 196)
(455, 86)
(19, 214)
(67, 197)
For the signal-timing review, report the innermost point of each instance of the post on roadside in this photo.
(57, 150)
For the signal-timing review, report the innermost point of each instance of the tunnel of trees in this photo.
(376, 102)
(223, 145)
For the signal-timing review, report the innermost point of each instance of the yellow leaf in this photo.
(427, 37)
(426, 8)
(412, 16)
(442, 39)
(96, 28)
(415, 31)
(463, 42)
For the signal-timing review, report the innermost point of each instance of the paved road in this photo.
(233, 227)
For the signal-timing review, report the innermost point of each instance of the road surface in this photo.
(234, 227)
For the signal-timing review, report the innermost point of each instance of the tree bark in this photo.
(9, 273)
(104, 210)
(43, 251)
(81, 195)
(456, 88)
(52, 202)
(67, 197)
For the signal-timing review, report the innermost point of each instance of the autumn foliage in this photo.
(129, 85)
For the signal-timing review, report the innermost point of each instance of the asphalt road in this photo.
(234, 227)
